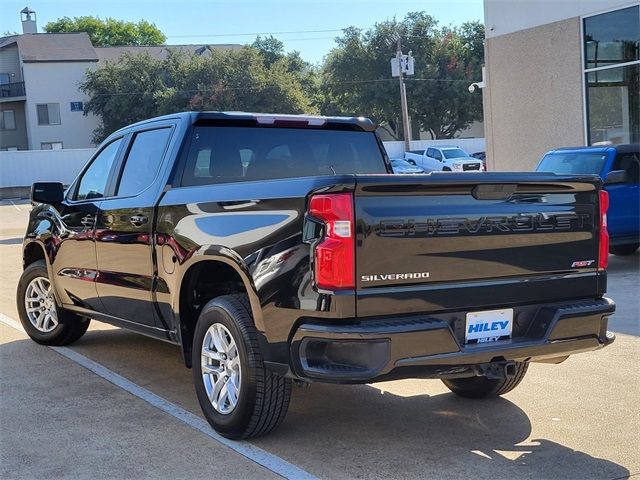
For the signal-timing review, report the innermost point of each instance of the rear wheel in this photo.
(628, 249)
(446, 169)
(41, 317)
(239, 397)
(481, 387)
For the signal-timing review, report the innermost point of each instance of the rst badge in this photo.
(488, 326)
(582, 263)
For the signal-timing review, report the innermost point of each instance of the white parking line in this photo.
(15, 206)
(251, 452)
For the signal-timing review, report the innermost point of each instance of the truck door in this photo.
(74, 264)
(124, 232)
(439, 163)
(431, 163)
(624, 198)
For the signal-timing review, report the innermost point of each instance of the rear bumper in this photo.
(433, 346)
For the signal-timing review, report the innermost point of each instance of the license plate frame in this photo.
(488, 326)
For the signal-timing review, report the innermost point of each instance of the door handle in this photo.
(138, 220)
(88, 221)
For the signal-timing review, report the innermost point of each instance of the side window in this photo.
(630, 163)
(94, 180)
(429, 152)
(143, 161)
(437, 155)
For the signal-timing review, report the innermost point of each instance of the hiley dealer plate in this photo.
(488, 326)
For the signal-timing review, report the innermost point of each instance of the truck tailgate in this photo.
(467, 239)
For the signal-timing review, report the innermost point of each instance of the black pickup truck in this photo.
(276, 249)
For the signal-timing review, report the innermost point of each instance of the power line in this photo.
(251, 34)
(254, 33)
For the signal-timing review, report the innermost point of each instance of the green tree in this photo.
(356, 77)
(109, 32)
(139, 86)
(270, 48)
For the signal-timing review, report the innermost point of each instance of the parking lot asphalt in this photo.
(579, 419)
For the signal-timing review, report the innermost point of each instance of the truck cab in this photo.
(619, 167)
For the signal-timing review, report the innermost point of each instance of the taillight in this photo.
(603, 257)
(335, 253)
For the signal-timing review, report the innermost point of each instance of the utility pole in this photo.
(403, 97)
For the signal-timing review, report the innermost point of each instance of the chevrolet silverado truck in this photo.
(277, 249)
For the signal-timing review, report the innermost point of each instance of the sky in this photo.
(303, 25)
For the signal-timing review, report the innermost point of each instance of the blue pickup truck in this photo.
(619, 167)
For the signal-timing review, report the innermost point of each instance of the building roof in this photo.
(52, 47)
(159, 52)
(77, 47)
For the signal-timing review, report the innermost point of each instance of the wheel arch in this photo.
(216, 267)
(33, 251)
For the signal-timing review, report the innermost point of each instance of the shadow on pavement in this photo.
(337, 431)
(623, 286)
(358, 431)
(11, 241)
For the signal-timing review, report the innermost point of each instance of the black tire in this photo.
(263, 399)
(628, 249)
(446, 169)
(70, 326)
(482, 387)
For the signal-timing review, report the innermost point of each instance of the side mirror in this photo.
(616, 176)
(47, 192)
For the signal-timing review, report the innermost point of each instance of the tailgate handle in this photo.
(494, 191)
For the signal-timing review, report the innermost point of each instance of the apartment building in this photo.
(41, 104)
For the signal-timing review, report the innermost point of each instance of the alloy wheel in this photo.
(40, 305)
(221, 370)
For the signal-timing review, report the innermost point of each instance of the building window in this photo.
(612, 67)
(8, 120)
(76, 107)
(51, 146)
(48, 113)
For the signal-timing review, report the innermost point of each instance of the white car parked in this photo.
(445, 158)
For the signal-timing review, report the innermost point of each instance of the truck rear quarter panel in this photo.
(255, 227)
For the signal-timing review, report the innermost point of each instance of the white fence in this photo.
(22, 168)
(469, 145)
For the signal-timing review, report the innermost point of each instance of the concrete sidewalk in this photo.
(60, 420)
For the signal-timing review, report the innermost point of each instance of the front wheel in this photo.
(41, 317)
(481, 387)
(628, 249)
(239, 397)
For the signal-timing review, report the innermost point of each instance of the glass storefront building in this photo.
(611, 43)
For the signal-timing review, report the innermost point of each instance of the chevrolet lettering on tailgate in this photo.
(500, 224)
